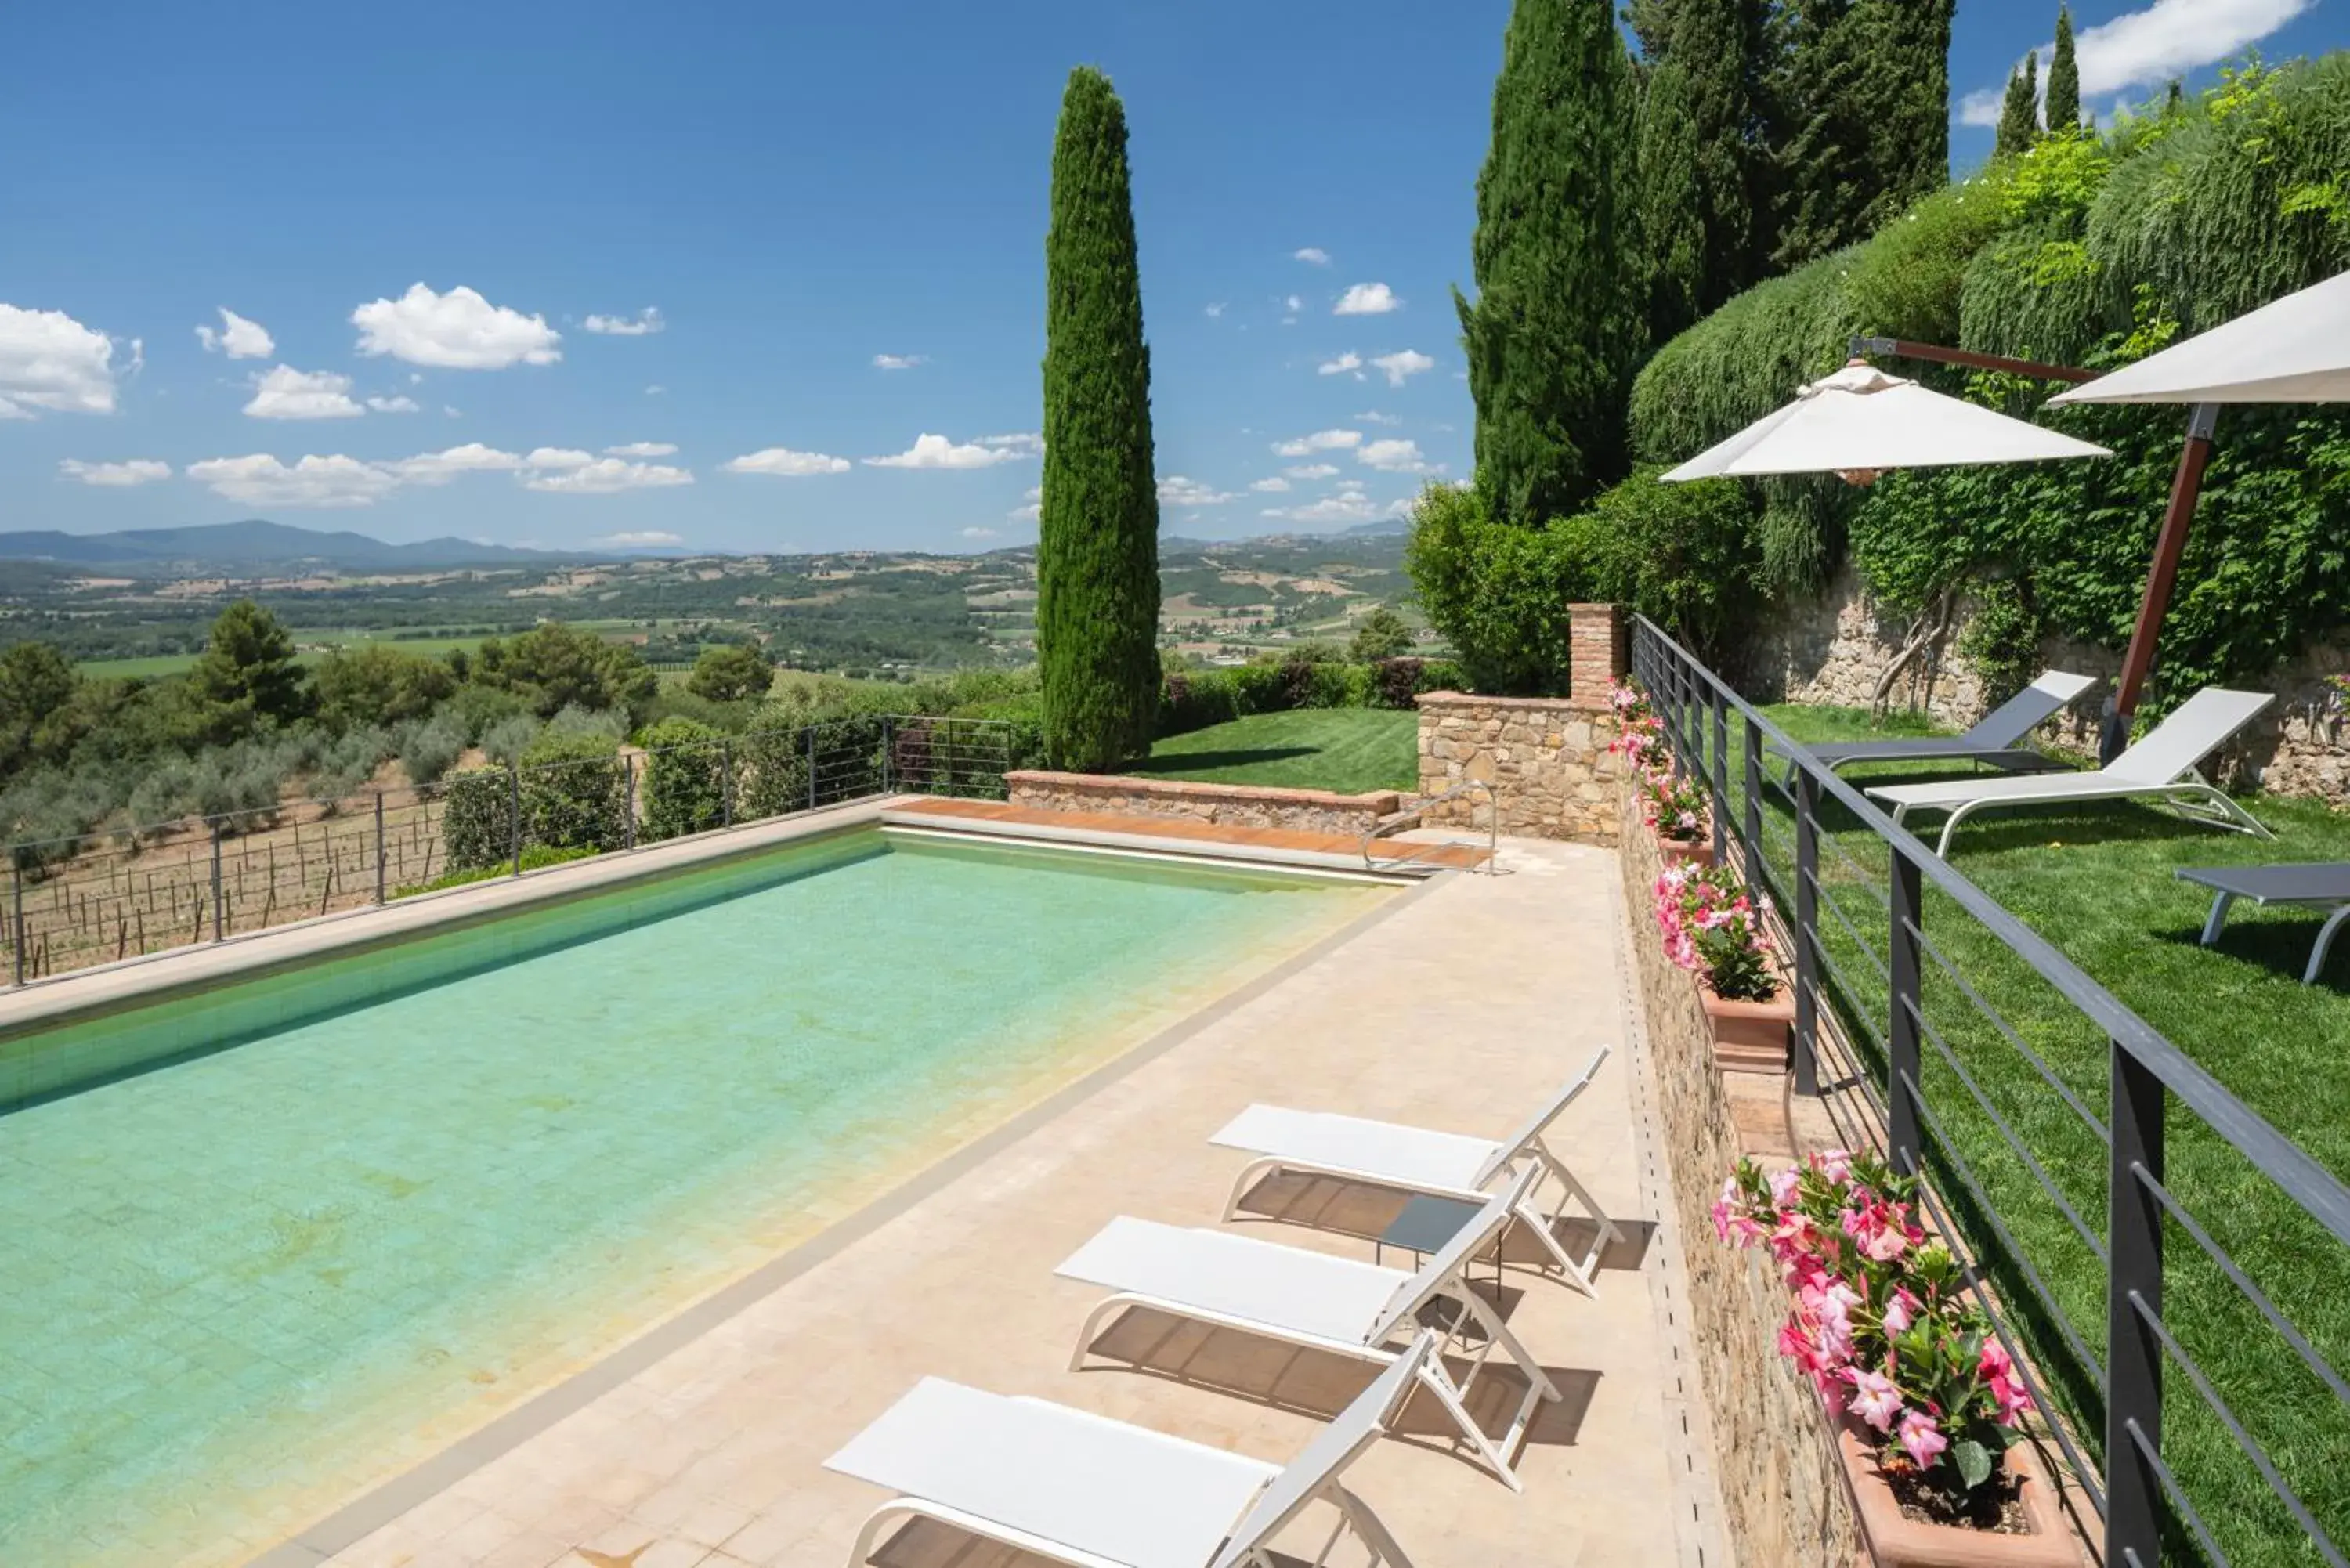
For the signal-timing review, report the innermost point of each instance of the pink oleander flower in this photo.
(1874, 1399)
(1834, 1164)
(2006, 1388)
(1783, 1184)
(1923, 1438)
(1878, 1231)
(1901, 1311)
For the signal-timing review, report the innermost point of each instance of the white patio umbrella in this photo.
(2294, 350)
(1861, 422)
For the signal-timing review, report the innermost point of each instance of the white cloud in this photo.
(1034, 497)
(785, 464)
(1343, 363)
(261, 479)
(1402, 366)
(643, 449)
(643, 324)
(458, 330)
(237, 338)
(283, 392)
(1373, 417)
(1216, 309)
(451, 410)
(641, 538)
(1312, 256)
(1320, 441)
(1026, 444)
(1367, 299)
(978, 533)
(655, 390)
(1274, 486)
(50, 360)
(1292, 304)
(2167, 38)
(1310, 470)
(899, 362)
(604, 476)
(114, 476)
(558, 458)
(1329, 509)
(393, 405)
(1177, 491)
(441, 467)
(1394, 456)
(937, 452)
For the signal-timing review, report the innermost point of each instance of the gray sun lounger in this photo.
(2315, 885)
(1996, 741)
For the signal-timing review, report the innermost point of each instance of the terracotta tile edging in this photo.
(1116, 784)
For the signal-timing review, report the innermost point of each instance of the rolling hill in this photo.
(255, 543)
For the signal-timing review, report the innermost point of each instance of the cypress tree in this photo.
(1097, 544)
(1556, 327)
(1864, 97)
(2063, 77)
(2018, 115)
(1696, 156)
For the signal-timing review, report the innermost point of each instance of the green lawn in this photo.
(2095, 881)
(1349, 749)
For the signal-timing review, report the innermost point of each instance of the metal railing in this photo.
(1971, 1049)
(1416, 814)
(130, 891)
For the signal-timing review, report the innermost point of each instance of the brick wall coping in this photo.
(1379, 800)
(1471, 699)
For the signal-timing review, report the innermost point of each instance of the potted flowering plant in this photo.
(1640, 734)
(1930, 1406)
(1675, 809)
(1713, 928)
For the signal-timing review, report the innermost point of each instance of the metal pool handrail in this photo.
(1419, 810)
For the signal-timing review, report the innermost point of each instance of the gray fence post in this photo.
(811, 760)
(1753, 769)
(16, 896)
(1807, 933)
(514, 813)
(1719, 708)
(2133, 1293)
(628, 801)
(219, 925)
(379, 847)
(1904, 1005)
(888, 750)
(726, 782)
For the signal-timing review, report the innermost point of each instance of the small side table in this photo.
(1425, 1224)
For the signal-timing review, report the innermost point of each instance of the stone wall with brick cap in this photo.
(1232, 805)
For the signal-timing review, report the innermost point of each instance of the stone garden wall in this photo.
(1230, 806)
(1829, 650)
(1783, 1485)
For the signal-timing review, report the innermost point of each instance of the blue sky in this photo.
(485, 262)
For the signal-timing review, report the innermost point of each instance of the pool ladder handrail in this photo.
(1412, 815)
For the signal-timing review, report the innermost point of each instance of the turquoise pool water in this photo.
(238, 1287)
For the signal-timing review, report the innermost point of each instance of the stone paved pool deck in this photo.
(1459, 1008)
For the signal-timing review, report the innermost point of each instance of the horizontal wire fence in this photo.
(131, 891)
(2170, 1270)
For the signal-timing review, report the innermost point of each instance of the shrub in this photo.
(477, 821)
(554, 667)
(731, 672)
(1685, 555)
(771, 768)
(432, 748)
(1499, 594)
(685, 779)
(378, 684)
(1379, 635)
(478, 708)
(572, 791)
(533, 859)
(506, 740)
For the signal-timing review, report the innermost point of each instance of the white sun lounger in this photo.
(2162, 765)
(1415, 1159)
(1320, 1301)
(1086, 1490)
(1996, 740)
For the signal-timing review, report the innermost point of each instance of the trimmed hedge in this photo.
(1195, 699)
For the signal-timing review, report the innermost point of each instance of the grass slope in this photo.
(1348, 750)
(2097, 882)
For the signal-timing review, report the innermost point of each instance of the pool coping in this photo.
(158, 977)
(379, 1506)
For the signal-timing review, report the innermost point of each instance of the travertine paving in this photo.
(1473, 997)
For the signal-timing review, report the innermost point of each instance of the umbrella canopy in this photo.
(2296, 350)
(1860, 421)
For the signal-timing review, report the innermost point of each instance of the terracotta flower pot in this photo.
(1899, 1542)
(1750, 1036)
(1675, 852)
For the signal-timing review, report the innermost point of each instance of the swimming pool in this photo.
(292, 1236)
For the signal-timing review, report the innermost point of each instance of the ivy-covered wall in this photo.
(2093, 249)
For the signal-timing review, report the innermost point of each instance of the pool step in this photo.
(1176, 836)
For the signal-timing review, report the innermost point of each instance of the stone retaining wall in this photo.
(1547, 758)
(1830, 651)
(1232, 805)
(1783, 1485)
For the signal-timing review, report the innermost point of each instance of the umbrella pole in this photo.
(2186, 486)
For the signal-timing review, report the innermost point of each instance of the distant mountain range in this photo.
(258, 544)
